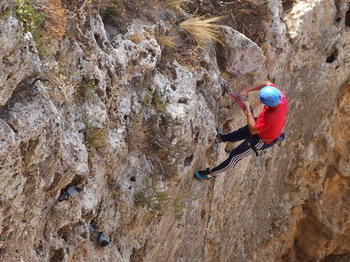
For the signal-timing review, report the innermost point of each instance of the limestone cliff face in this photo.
(128, 119)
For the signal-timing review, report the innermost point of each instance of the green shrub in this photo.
(30, 17)
(151, 198)
(86, 86)
(156, 99)
(158, 201)
(94, 136)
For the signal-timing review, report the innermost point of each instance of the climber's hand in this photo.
(244, 93)
(247, 107)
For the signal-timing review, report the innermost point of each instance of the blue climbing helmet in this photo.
(269, 96)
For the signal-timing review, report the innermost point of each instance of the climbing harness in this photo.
(280, 139)
(253, 143)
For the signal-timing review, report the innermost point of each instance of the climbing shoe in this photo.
(202, 175)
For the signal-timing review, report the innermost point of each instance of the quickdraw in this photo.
(239, 99)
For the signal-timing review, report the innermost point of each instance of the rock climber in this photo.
(259, 134)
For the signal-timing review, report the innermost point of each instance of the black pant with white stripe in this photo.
(243, 150)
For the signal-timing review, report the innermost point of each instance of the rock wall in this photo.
(128, 120)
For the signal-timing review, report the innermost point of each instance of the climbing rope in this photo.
(214, 178)
(239, 99)
(209, 216)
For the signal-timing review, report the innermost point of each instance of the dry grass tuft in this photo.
(139, 137)
(55, 21)
(203, 30)
(168, 41)
(136, 38)
(175, 3)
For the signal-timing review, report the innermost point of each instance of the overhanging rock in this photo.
(240, 54)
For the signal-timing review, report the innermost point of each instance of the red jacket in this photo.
(271, 120)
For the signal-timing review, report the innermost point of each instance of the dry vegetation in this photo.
(168, 41)
(193, 26)
(174, 3)
(45, 19)
(54, 24)
(244, 16)
(139, 136)
(202, 30)
(201, 26)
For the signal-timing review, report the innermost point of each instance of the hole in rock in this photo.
(138, 254)
(203, 213)
(287, 5)
(182, 100)
(347, 17)
(98, 40)
(72, 189)
(64, 233)
(337, 258)
(332, 57)
(78, 179)
(200, 83)
(188, 160)
(57, 255)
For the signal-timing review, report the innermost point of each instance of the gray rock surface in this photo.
(128, 122)
(241, 55)
(17, 52)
